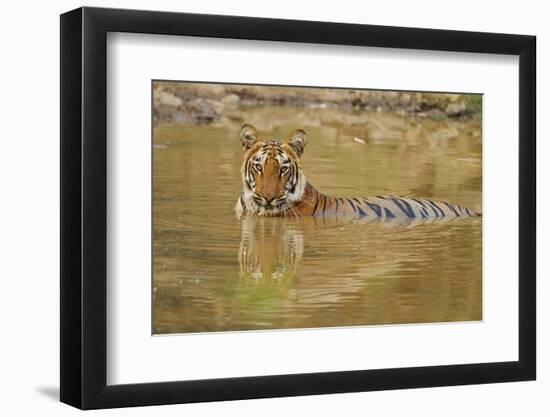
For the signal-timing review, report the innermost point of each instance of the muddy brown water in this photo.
(214, 272)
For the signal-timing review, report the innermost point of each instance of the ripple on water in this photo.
(213, 272)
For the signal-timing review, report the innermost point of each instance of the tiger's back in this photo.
(379, 207)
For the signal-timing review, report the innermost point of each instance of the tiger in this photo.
(275, 185)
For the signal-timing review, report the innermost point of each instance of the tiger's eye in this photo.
(284, 169)
(258, 167)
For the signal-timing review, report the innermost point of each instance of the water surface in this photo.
(214, 272)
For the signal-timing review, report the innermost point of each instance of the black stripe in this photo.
(336, 199)
(419, 202)
(452, 208)
(292, 180)
(437, 207)
(324, 203)
(242, 203)
(293, 188)
(423, 205)
(352, 205)
(376, 208)
(314, 212)
(404, 206)
(361, 213)
(389, 214)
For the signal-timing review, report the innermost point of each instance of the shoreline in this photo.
(201, 103)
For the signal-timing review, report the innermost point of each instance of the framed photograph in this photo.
(256, 208)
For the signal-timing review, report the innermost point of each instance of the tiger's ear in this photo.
(249, 136)
(297, 141)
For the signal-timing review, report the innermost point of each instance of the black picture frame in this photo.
(84, 207)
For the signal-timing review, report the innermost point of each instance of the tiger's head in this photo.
(271, 174)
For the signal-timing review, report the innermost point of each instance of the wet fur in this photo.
(274, 185)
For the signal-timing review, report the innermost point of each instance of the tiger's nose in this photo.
(269, 200)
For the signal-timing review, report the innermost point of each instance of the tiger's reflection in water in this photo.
(270, 249)
(297, 272)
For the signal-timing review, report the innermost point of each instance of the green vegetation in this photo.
(474, 104)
